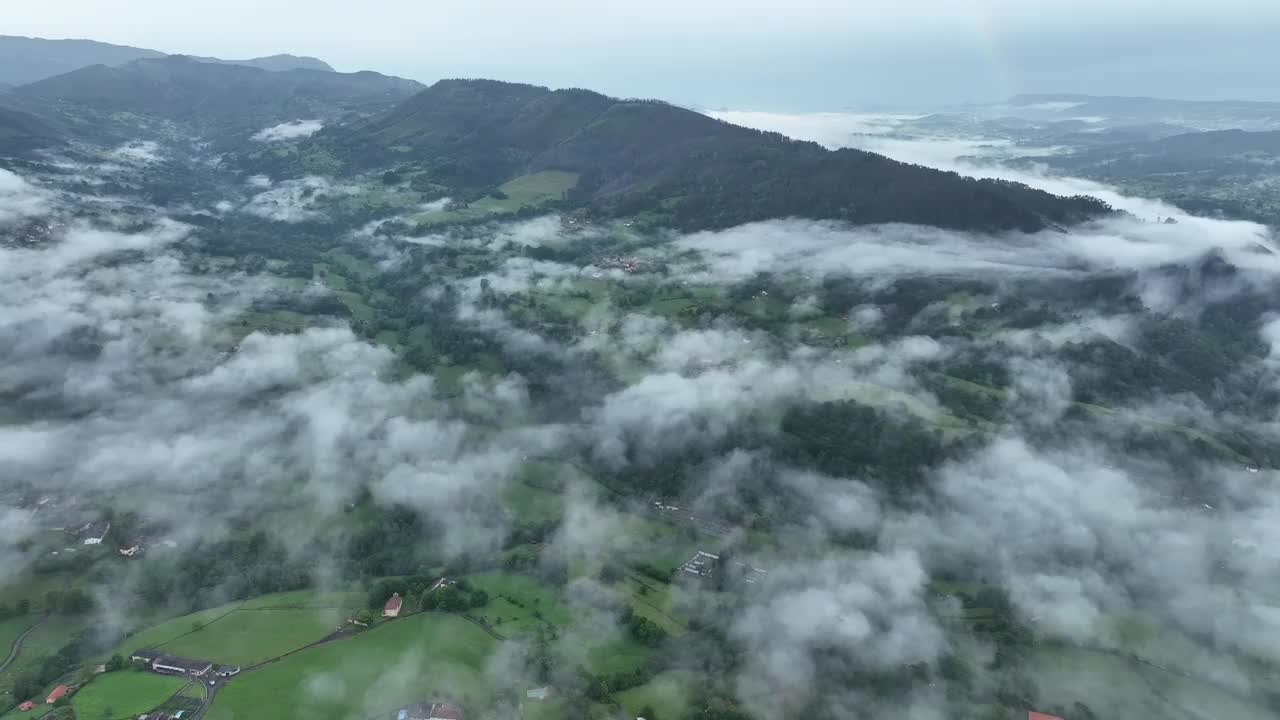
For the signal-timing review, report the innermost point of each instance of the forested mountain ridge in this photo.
(21, 132)
(633, 156)
(213, 98)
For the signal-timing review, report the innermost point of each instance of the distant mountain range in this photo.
(1116, 111)
(649, 159)
(217, 99)
(25, 60)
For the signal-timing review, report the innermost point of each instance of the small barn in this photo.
(392, 608)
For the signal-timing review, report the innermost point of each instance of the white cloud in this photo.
(19, 199)
(138, 152)
(291, 130)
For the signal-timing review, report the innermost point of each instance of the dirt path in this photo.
(17, 644)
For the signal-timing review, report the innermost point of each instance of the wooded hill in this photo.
(691, 170)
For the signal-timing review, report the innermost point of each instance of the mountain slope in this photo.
(275, 63)
(216, 98)
(694, 171)
(22, 132)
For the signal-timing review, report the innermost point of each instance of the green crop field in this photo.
(10, 630)
(617, 656)
(124, 694)
(338, 599)
(45, 641)
(520, 602)
(246, 637)
(1118, 687)
(424, 656)
(667, 694)
(169, 630)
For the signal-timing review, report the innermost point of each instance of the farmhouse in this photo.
(430, 711)
(392, 608)
(226, 671)
(170, 665)
(57, 694)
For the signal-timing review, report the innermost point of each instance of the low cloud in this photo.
(294, 201)
(138, 152)
(291, 130)
(19, 199)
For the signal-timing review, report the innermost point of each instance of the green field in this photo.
(652, 599)
(1116, 687)
(526, 190)
(124, 694)
(338, 599)
(10, 630)
(667, 694)
(43, 642)
(248, 637)
(415, 658)
(278, 322)
(617, 656)
(169, 630)
(538, 603)
(243, 633)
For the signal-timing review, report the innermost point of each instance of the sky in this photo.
(744, 54)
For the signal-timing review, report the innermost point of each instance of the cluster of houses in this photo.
(55, 695)
(157, 662)
(626, 264)
(704, 564)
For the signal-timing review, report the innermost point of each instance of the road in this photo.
(17, 645)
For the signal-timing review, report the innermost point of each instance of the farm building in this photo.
(25, 706)
(1033, 715)
(392, 608)
(226, 671)
(57, 694)
(170, 665)
(430, 711)
(541, 693)
(144, 656)
(702, 564)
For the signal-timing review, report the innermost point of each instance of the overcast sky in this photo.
(749, 54)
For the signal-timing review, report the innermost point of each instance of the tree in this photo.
(648, 713)
(115, 663)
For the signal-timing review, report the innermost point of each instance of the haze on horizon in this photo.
(748, 54)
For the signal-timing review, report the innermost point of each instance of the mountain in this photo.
(690, 170)
(26, 60)
(275, 63)
(220, 99)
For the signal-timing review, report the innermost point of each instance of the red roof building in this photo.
(26, 706)
(392, 608)
(57, 693)
(1033, 715)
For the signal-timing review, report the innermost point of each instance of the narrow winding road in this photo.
(17, 644)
